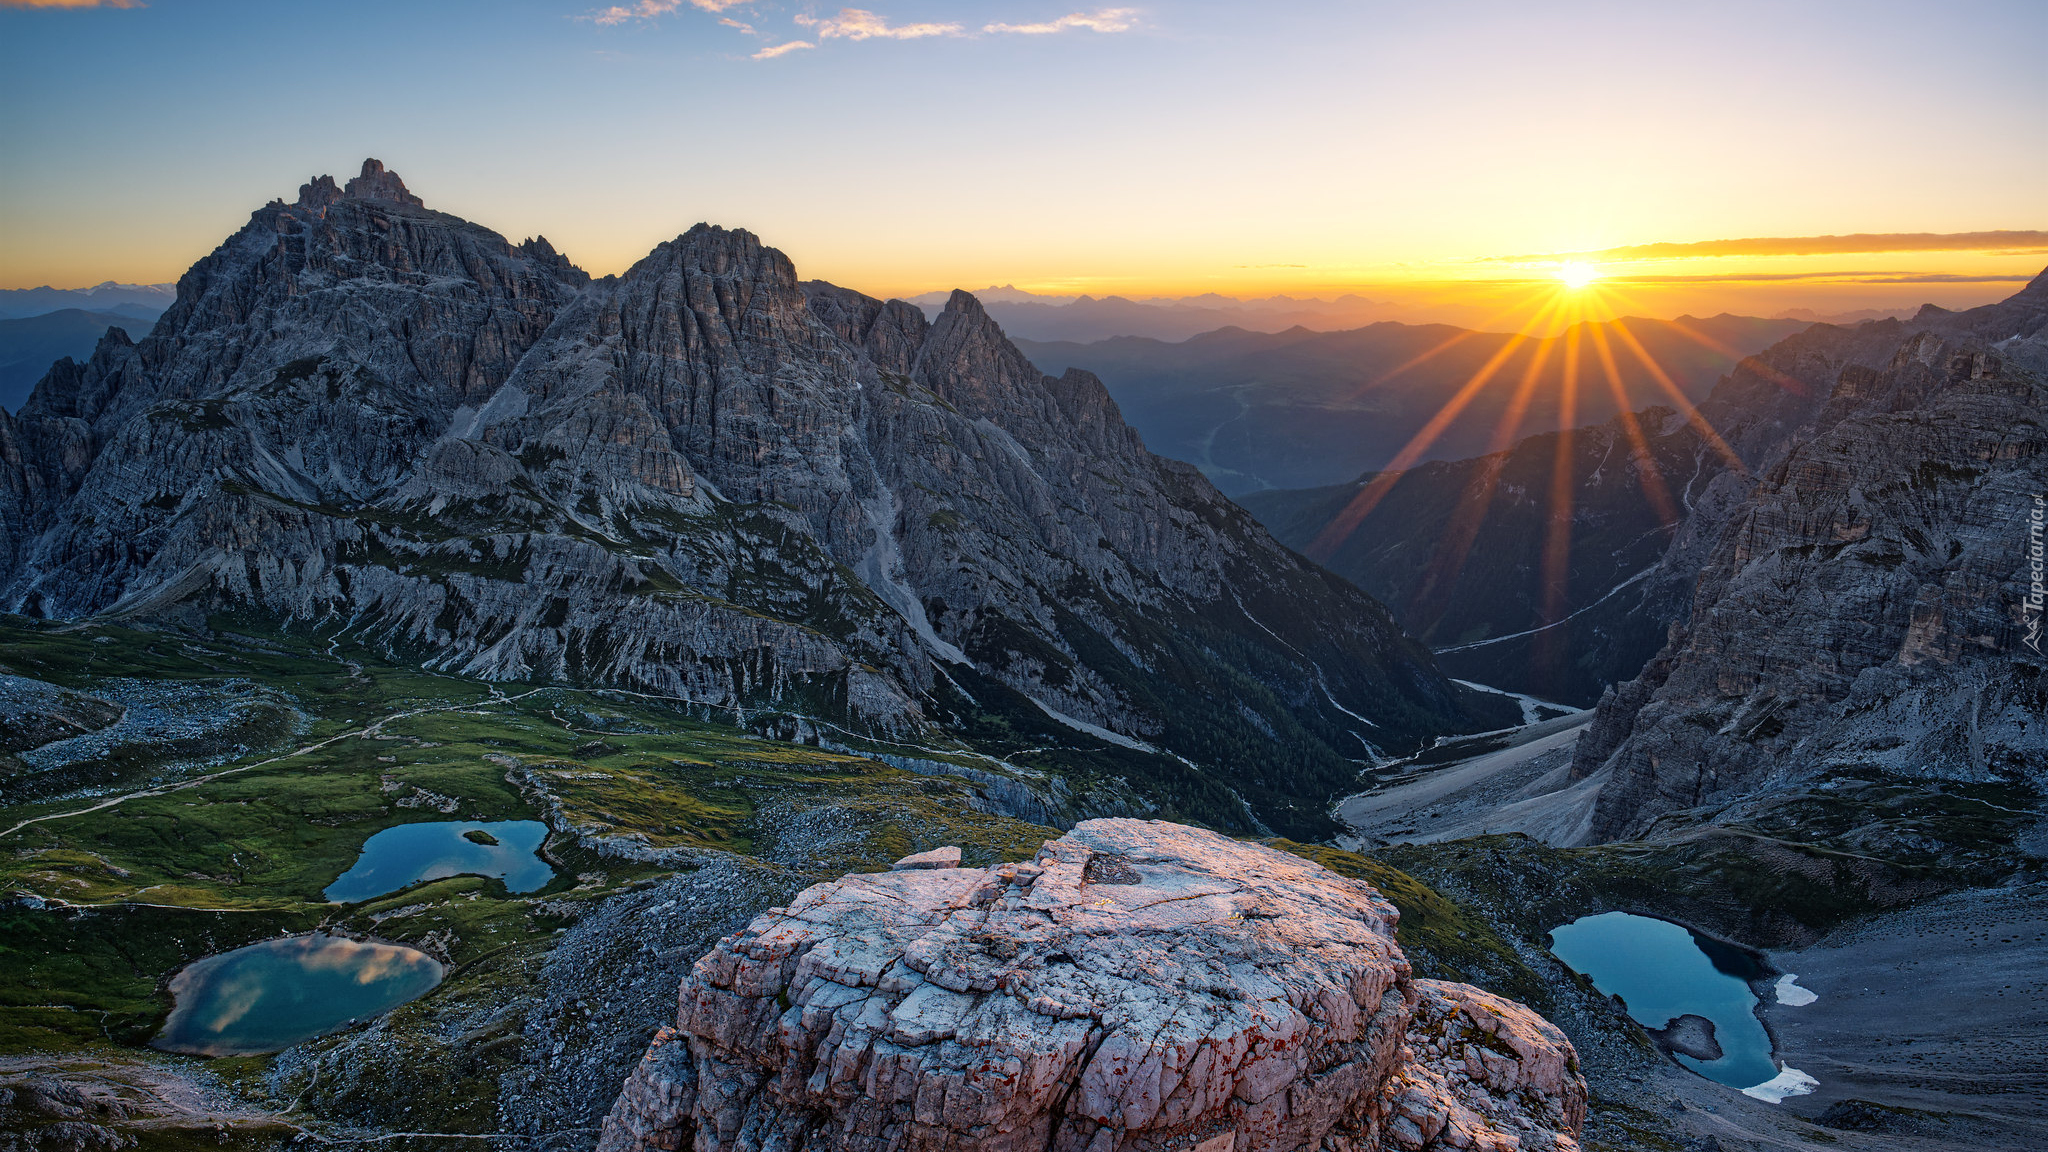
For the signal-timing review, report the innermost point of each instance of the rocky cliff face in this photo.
(1138, 985)
(1865, 606)
(703, 479)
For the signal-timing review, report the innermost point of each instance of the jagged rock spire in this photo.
(319, 193)
(377, 184)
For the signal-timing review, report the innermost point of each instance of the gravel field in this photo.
(1938, 1008)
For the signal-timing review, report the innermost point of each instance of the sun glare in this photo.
(1577, 274)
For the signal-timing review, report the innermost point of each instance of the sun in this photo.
(1577, 274)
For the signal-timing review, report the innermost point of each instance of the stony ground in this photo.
(1938, 1009)
(1506, 783)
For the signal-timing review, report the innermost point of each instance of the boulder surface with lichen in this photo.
(1139, 985)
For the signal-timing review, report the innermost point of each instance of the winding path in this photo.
(365, 731)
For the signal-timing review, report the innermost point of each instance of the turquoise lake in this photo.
(1662, 971)
(403, 856)
(272, 995)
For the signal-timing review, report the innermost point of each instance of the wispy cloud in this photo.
(861, 24)
(72, 4)
(2006, 241)
(1799, 277)
(1106, 20)
(849, 24)
(648, 9)
(773, 51)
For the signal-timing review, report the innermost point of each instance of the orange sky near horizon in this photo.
(1473, 290)
(1421, 155)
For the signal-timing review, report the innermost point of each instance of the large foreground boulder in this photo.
(1138, 986)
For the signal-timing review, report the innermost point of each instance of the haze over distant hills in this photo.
(1856, 316)
(1030, 316)
(1050, 317)
(138, 301)
(1300, 409)
(39, 326)
(30, 344)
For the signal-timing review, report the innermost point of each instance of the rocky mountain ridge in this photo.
(703, 479)
(1865, 608)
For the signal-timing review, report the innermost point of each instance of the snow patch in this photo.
(1333, 700)
(1007, 442)
(276, 477)
(1789, 991)
(1322, 681)
(1095, 730)
(462, 424)
(1789, 1081)
(1530, 704)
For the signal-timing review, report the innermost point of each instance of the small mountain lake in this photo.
(271, 995)
(403, 856)
(1663, 971)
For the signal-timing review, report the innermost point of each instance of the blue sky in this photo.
(1163, 146)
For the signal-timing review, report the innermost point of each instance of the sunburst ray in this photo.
(1647, 472)
(1346, 521)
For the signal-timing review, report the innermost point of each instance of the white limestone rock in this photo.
(947, 857)
(1138, 986)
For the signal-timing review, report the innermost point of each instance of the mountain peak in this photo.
(376, 183)
(319, 193)
(964, 301)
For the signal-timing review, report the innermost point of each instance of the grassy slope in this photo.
(238, 849)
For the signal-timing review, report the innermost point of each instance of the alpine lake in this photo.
(270, 995)
(1663, 971)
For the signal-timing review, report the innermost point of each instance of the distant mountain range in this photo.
(136, 301)
(41, 325)
(1302, 409)
(1048, 318)
(1854, 316)
(29, 345)
(1030, 316)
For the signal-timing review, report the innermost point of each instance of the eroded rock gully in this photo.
(1138, 986)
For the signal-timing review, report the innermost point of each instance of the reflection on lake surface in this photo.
(398, 857)
(272, 995)
(1663, 971)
